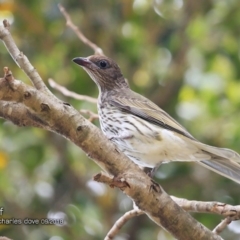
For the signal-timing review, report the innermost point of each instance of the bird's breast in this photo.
(143, 142)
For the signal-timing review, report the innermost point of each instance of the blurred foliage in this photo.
(184, 55)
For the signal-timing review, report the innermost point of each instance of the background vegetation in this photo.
(184, 55)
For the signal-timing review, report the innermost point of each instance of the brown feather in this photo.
(140, 106)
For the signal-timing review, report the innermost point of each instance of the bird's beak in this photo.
(84, 62)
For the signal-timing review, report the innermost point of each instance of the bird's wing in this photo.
(145, 109)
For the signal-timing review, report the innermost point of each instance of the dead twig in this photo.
(219, 208)
(81, 36)
(5, 238)
(92, 116)
(71, 94)
(223, 224)
(121, 221)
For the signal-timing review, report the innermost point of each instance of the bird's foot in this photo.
(150, 171)
(155, 187)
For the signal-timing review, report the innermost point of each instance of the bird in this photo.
(144, 132)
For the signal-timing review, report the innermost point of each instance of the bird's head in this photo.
(103, 71)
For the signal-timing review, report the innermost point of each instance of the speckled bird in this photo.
(143, 131)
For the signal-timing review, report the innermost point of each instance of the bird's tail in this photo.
(223, 161)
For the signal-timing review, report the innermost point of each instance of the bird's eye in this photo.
(103, 64)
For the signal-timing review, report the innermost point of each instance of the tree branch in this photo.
(81, 36)
(223, 209)
(223, 224)
(92, 115)
(121, 221)
(71, 94)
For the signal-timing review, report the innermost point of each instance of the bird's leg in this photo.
(147, 171)
(151, 171)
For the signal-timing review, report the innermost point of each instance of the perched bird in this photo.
(143, 131)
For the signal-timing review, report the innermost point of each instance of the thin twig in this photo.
(5, 238)
(71, 94)
(78, 32)
(121, 221)
(8, 74)
(92, 116)
(219, 208)
(223, 224)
